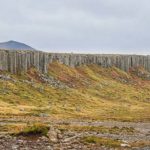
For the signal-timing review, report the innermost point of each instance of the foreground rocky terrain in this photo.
(75, 135)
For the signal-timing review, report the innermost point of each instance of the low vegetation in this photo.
(34, 130)
(85, 92)
(101, 141)
(98, 129)
(140, 144)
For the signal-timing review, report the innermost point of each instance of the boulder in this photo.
(52, 135)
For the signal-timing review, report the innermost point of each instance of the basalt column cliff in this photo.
(20, 61)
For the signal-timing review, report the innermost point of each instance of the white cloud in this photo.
(104, 26)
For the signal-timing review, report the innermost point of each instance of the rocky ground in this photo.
(65, 135)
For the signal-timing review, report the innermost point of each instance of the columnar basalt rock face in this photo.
(20, 61)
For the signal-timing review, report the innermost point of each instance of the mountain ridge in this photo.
(14, 45)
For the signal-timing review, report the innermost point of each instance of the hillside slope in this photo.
(85, 92)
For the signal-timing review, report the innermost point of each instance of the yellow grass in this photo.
(94, 93)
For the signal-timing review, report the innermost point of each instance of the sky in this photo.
(78, 26)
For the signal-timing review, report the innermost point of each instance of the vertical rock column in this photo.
(3, 60)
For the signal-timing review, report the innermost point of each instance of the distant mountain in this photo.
(14, 45)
